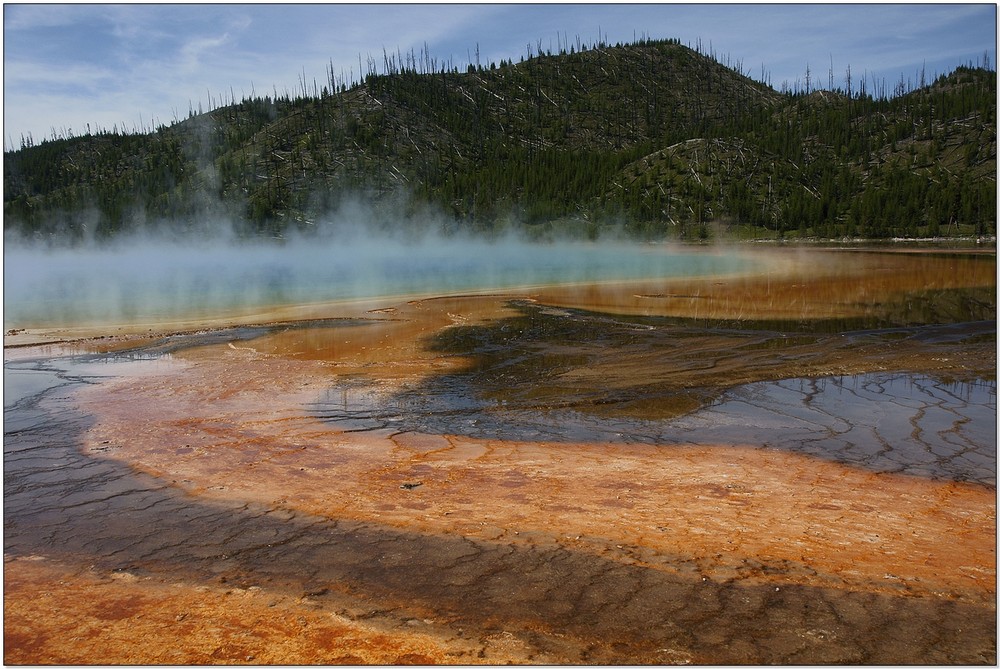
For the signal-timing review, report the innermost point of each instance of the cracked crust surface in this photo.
(442, 485)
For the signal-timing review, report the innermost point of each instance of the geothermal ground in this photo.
(796, 466)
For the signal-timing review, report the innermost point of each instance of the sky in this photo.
(136, 66)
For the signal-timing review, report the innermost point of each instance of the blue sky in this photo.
(136, 65)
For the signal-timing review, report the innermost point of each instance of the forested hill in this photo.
(653, 137)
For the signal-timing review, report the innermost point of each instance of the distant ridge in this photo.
(653, 139)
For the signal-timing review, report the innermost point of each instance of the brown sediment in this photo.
(235, 431)
(312, 543)
(800, 285)
(62, 615)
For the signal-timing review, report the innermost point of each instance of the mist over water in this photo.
(163, 278)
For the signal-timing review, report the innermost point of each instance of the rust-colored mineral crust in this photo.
(239, 506)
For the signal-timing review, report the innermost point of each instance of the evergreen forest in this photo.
(652, 139)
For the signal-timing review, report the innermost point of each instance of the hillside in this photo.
(654, 138)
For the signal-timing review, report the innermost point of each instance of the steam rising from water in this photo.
(168, 278)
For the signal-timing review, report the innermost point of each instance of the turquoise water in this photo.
(144, 282)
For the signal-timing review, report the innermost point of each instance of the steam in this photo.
(357, 252)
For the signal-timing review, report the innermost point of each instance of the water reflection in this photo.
(911, 424)
(575, 376)
(899, 423)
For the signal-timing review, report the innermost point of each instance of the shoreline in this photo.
(19, 337)
(610, 294)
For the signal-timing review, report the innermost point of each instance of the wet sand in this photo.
(543, 476)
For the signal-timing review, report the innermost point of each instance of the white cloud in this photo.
(194, 50)
(38, 16)
(35, 76)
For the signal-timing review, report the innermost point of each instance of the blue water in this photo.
(143, 282)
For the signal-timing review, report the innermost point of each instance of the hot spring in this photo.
(146, 282)
(573, 452)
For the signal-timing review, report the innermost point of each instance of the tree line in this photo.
(653, 137)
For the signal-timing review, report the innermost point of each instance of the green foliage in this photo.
(652, 138)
